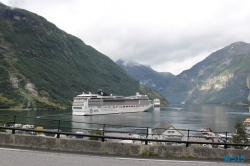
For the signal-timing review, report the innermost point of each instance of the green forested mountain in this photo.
(218, 79)
(42, 66)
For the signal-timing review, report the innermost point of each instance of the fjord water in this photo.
(219, 118)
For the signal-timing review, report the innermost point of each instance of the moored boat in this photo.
(102, 103)
(247, 125)
(157, 102)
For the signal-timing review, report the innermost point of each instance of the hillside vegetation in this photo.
(42, 66)
(218, 79)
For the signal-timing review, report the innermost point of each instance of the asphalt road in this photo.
(21, 157)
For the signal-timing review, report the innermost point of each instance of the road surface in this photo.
(22, 157)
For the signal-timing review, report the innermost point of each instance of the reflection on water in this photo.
(217, 117)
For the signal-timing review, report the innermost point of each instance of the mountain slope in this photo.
(44, 67)
(220, 78)
(146, 75)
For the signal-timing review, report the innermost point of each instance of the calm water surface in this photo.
(194, 117)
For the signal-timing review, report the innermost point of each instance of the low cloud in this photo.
(170, 36)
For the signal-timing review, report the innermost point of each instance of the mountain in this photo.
(42, 66)
(218, 79)
(146, 75)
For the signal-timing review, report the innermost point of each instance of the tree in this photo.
(241, 135)
(95, 132)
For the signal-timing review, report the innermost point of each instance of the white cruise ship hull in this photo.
(109, 110)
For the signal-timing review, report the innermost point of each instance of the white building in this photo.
(167, 132)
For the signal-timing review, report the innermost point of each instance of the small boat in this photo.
(206, 129)
(157, 102)
(222, 135)
(28, 126)
(247, 125)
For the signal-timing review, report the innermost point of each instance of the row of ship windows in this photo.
(77, 107)
(113, 103)
(108, 106)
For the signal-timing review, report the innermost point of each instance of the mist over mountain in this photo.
(42, 66)
(218, 79)
(146, 75)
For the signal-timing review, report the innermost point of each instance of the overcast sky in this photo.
(169, 35)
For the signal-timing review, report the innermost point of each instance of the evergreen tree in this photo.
(241, 135)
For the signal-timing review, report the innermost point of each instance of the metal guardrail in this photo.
(103, 137)
(60, 129)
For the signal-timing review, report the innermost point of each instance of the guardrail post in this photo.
(58, 129)
(103, 130)
(225, 146)
(13, 131)
(187, 139)
(146, 142)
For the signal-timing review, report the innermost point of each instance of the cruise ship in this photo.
(100, 103)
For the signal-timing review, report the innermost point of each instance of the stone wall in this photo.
(116, 148)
